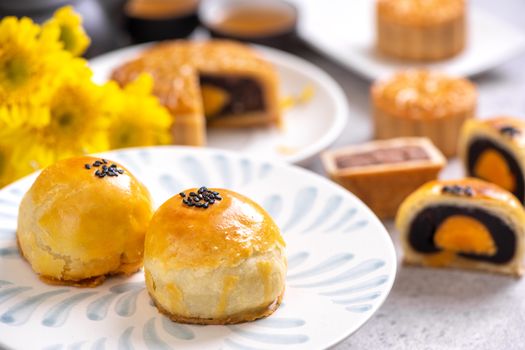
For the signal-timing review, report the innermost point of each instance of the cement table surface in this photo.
(444, 309)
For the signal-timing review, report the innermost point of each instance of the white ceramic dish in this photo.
(308, 129)
(341, 260)
(345, 31)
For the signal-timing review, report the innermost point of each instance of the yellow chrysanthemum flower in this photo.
(137, 118)
(17, 159)
(28, 61)
(72, 34)
(77, 120)
(13, 117)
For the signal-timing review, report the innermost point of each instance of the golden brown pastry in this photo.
(423, 103)
(465, 223)
(84, 218)
(218, 259)
(494, 150)
(216, 82)
(383, 173)
(421, 29)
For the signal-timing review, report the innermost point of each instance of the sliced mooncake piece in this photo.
(383, 173)
(494, 150)
(216, 83)
(465, 223)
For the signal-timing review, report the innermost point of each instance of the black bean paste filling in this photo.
(246, 95)
(426, 223)
(479, 146)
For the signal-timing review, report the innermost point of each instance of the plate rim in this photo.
(289, 61)
(382, 231)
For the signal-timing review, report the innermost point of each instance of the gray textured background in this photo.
(436, 309)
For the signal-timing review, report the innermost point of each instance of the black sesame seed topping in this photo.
(202, 199)
(509, 131)
(111, 171)
(458, 190)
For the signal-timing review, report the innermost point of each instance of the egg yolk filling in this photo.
(214, 99)
(464, 234)
(493, 167)
(224, 96)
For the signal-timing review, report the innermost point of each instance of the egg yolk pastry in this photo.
(465, 223)
(215, 83)
(423, 103)
(421, 30)
(82, 219)
(494, 150)
(213, 256)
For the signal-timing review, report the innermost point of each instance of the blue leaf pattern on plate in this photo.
(274, 322)
(265, 170)
(270, 338)
(327, 265)
(223, 166)
(246, 169)
(98, 309)
(369, 284)
(361, 269)
(100, 344)
(331, 207)
(273, 205)
(9, 252)
(151, 338)
(6, 294)
(170, 184)
(303, 203)
(192, 167)
(347, 216)
(57, 315)
(297, 259)
(124, 341)
(176, 330)
(21, 312)
(127, 303)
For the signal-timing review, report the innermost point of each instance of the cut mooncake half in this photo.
(465, 223)
(494, 150)
(214, 83)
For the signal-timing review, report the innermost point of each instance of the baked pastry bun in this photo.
(219, 259)
(420, 102)
(421, 30)
(494, 150)
(84, 218)
(465, 223)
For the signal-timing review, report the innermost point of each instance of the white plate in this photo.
(308, 129)
(341, 265)
(345, 31)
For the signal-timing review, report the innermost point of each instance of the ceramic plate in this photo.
(308, 129)
(345, 31)
(341, 265)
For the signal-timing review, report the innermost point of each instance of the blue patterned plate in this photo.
(341, 265)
